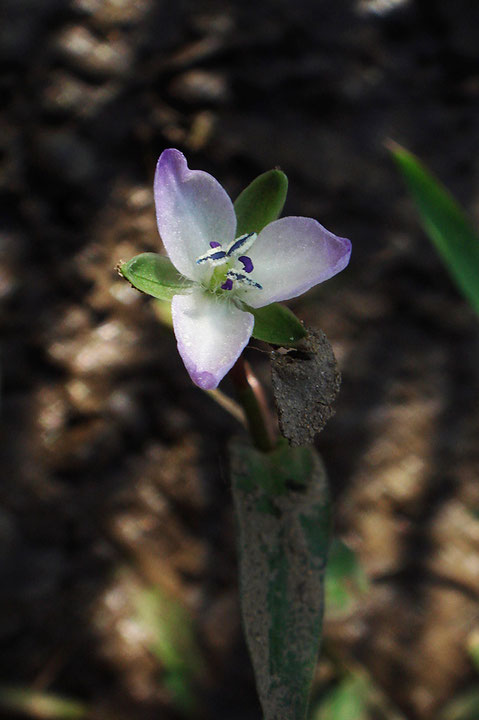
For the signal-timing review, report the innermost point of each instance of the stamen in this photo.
(215, 257)
(242, 243)
(247, 263)
(239, 277)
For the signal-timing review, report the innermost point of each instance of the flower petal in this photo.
(211, 334)
(290, 256)
(192, 210)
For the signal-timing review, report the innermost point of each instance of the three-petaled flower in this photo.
(197, 224)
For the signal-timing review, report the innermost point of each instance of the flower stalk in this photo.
(251, 396)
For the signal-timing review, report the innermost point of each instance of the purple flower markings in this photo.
(217, 257)
(197, 224)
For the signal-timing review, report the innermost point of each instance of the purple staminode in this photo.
(214, 244)
(247, 263)
(227, 285)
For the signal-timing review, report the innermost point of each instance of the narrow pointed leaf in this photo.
(445, 223)
(473, 648)
(346, 581)
(170, 634)
(261, 202)
(348, 700)
(277, 325)
(463, 707)
(41, 705)
(283, 514)
(154, 275)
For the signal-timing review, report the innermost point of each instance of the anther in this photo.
(214, 256)
(241, 244)
(239, 277)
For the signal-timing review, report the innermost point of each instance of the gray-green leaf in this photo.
(261, 202)
(283, 512)
(154, 275)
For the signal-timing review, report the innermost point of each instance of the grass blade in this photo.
(445, 222)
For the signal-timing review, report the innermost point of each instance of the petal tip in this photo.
(342, 255)
(171, 153)
(170, 160)
(204, 380)
(210, 336)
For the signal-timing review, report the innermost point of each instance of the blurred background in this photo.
(118, 582)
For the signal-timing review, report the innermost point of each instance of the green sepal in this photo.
(261, 202)
(277, 325)
(154, 275)
(284, 523)
(445, 223)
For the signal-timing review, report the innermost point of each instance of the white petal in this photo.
(192, 210)
(291, 255)
(211, 335)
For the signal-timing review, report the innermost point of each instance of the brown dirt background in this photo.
(114, 468)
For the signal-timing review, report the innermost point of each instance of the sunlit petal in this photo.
(192, 210)
(290, 256)
(211, 335)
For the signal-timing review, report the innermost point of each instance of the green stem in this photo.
(251, 396)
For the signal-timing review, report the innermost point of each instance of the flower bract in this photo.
(228, 273)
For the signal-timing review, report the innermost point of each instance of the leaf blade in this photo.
(154, 275)
(283, 512)
(346, 582)
(261, 202)
(444, 222)
(349, 699)
(41, 705)
(276, 324)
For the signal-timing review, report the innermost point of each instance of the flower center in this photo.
(226, 274)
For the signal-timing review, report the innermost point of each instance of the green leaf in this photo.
(348, 700)
(346, 582)
(463, 707)
(283, 511)
(154, 275)
(171, 635)
(41, 705)
(277, 325)
(445, 223)
(261, 202)
(473, 648)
